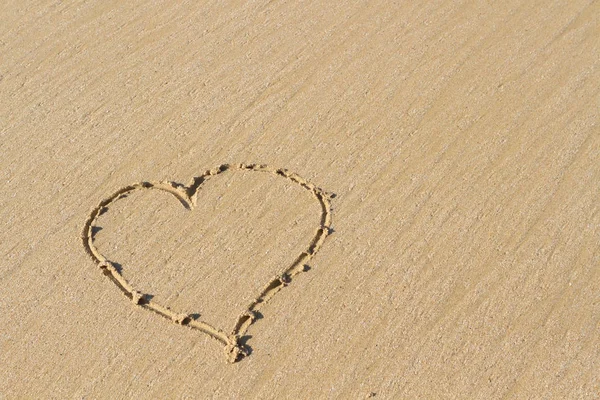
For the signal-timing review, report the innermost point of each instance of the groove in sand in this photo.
(187, 195)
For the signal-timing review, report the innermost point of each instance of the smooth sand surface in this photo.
(460, 139)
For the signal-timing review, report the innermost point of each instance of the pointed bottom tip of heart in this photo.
(235, 352)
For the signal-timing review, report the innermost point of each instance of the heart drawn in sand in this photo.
(234, 348)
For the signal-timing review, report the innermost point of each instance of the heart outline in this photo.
(187, 195)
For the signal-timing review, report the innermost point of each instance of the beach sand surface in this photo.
(457, 145)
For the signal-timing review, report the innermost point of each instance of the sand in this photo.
(410, 206)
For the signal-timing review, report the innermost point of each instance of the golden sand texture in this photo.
(459, 258)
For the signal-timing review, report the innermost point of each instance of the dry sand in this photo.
(459, 258)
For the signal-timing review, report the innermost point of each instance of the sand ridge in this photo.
(234, 341)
